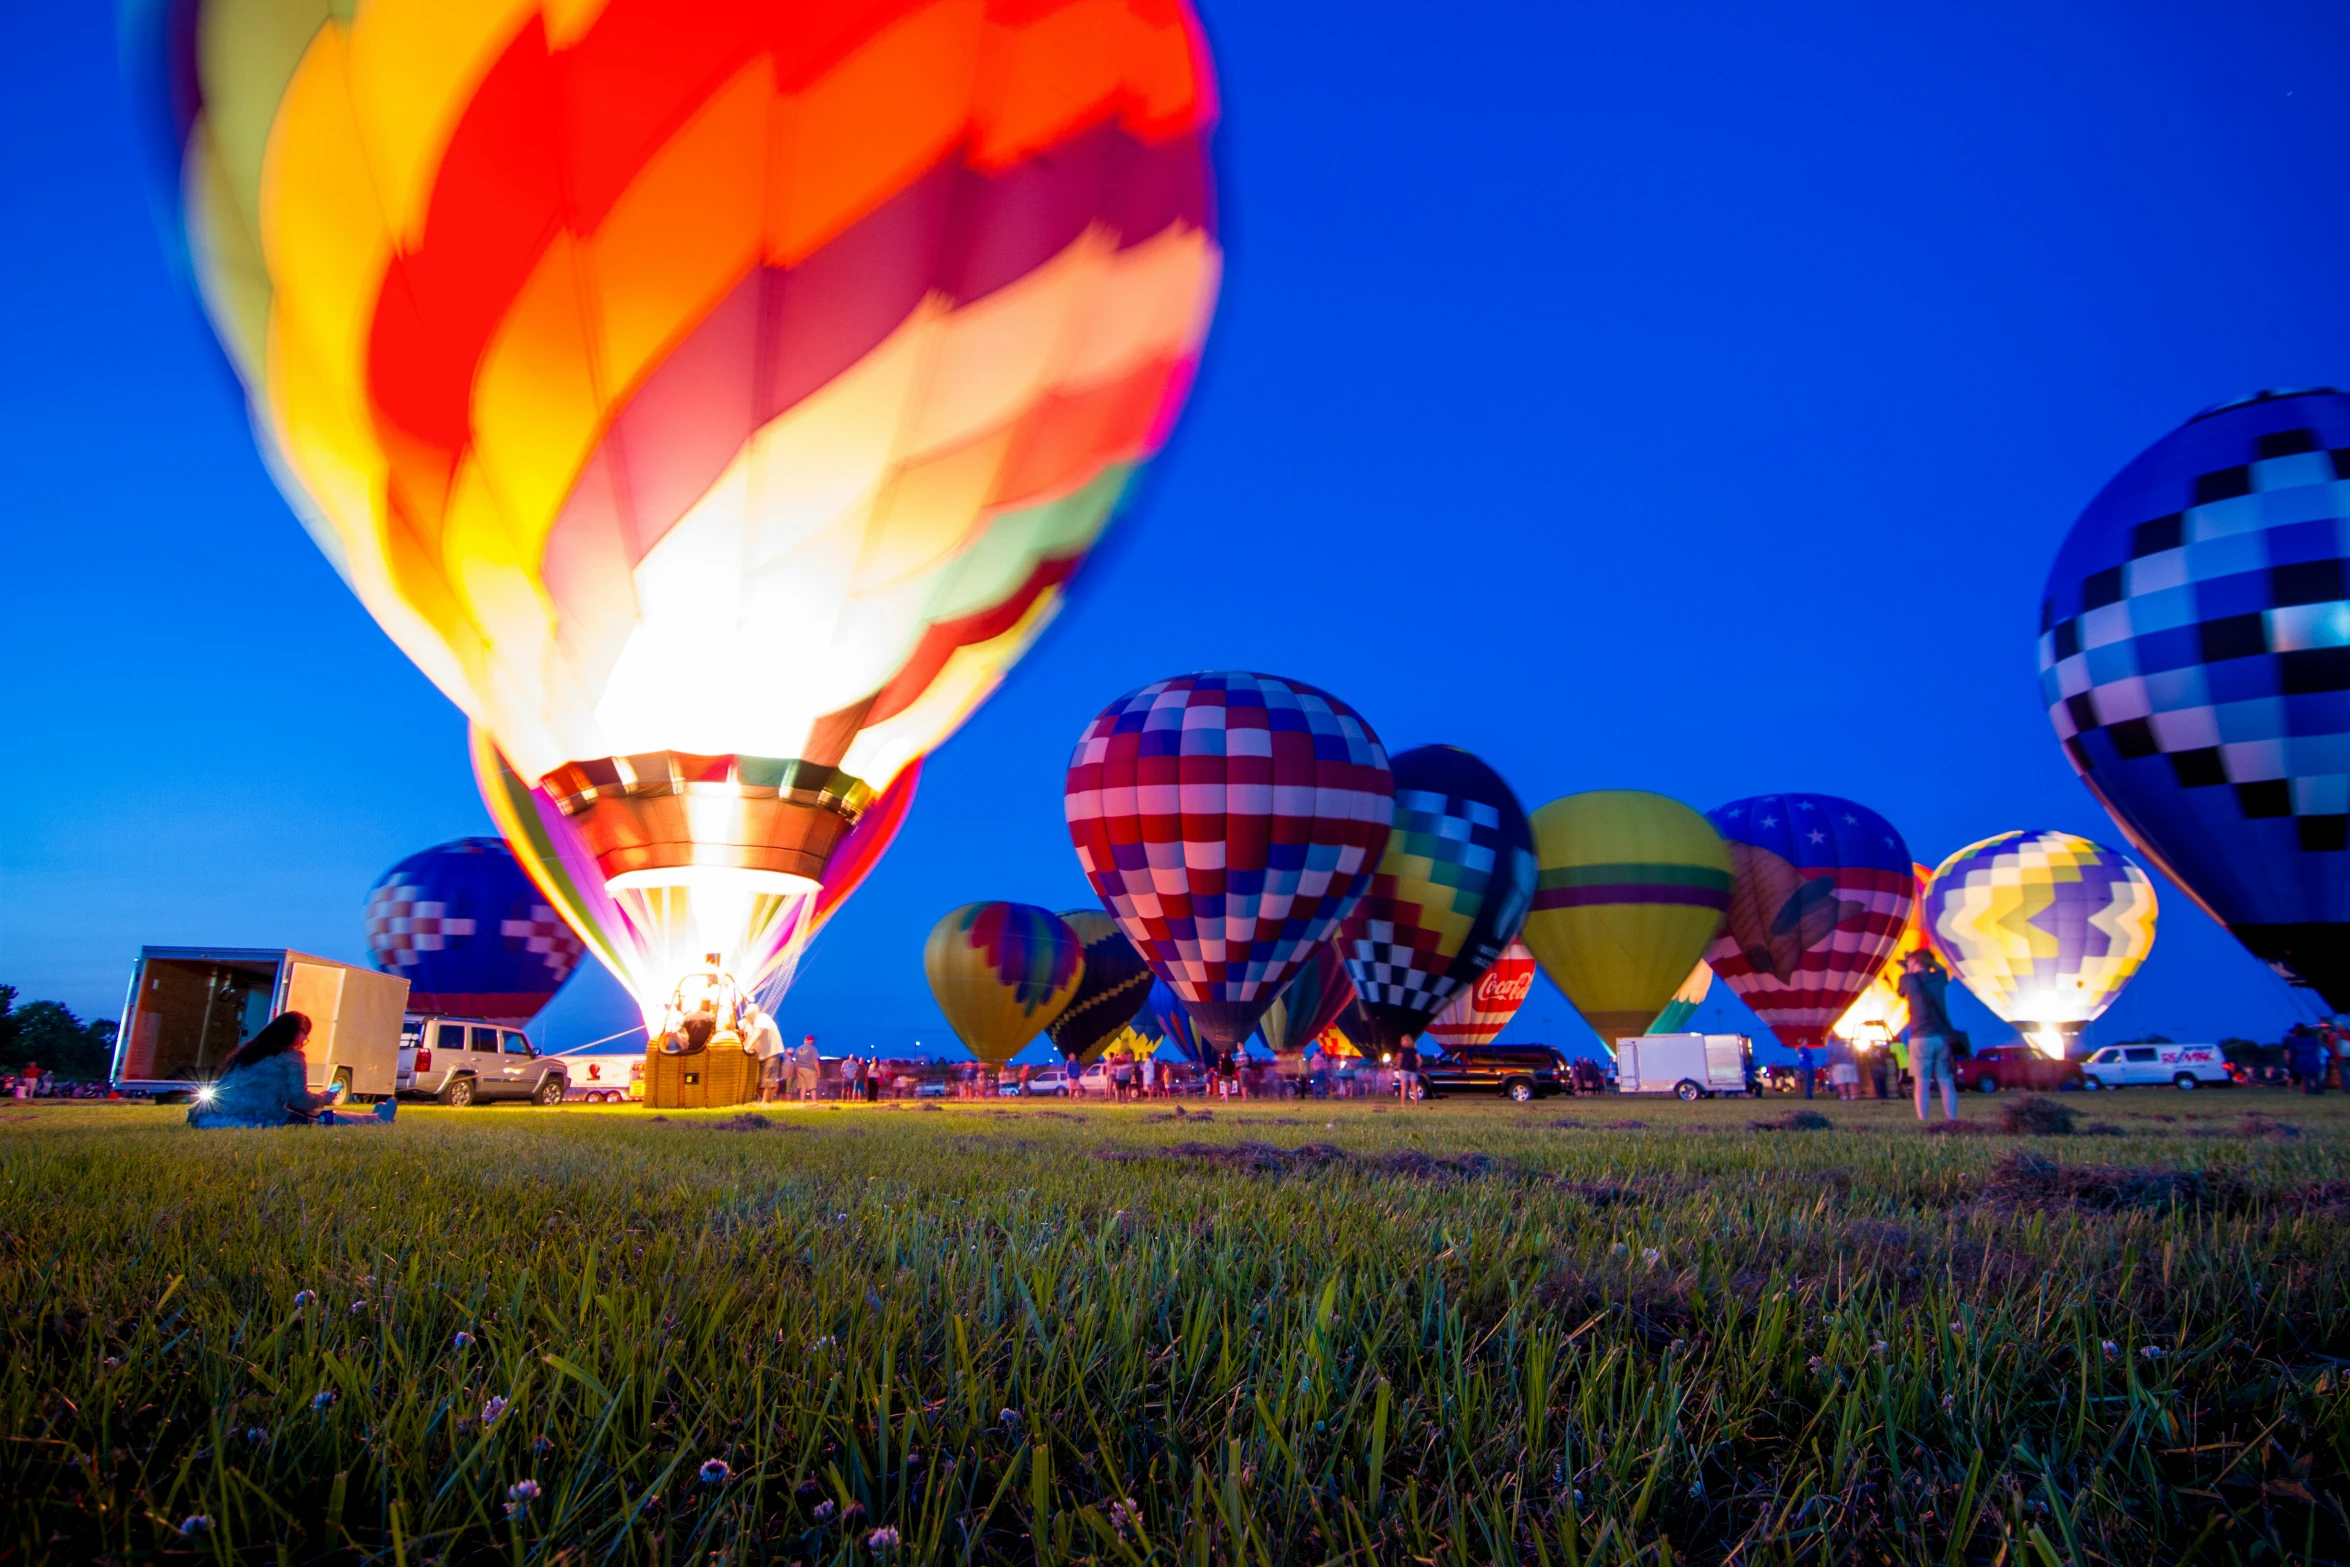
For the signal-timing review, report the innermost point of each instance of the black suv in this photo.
(1520, 1072)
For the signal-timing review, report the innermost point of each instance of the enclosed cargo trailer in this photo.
(190, 1007)
(1694, 1066)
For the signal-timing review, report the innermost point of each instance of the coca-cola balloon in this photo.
(1478, 1014)
(1228, 822)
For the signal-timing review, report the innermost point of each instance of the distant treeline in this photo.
(48, 1034)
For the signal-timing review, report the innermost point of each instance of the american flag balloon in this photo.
(1228, 822)
(1820, 891)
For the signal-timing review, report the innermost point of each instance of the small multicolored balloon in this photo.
(1821, 892)
(1311, 1003)
(2195, 659)
(1478, 1013)
(473, 938)
(1168, 1019)
(1631, 888)
(2044, 927)
(1112, 991)
(1001, 973)
(1451, 891)
(1228, 822)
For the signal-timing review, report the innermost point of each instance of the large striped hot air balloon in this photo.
(1451, 891)
(2044, 927)
(1002, 972)
(713, 399)
(1631, 888)
(1228, 822)
(1823, 890)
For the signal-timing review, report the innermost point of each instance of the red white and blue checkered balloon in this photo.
(1228, 822)
(470, 933)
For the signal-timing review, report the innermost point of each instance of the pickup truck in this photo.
(1996, 1067)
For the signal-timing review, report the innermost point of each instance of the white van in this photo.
(1693, 1066)
(2132, 1066)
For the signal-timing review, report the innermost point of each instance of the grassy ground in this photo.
(1474, 1332)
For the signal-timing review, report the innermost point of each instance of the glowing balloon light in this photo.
(714, 400)
(2045, 928)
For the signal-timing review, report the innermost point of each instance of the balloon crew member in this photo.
(267, 1083)
(1407, 1071)
(1926, 987)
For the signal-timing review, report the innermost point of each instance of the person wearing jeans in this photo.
(1925, 987)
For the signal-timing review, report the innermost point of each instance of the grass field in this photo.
(1467, 1333)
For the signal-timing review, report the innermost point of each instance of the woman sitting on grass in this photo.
(267, 1083)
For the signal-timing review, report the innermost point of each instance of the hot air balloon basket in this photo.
(722, 1075)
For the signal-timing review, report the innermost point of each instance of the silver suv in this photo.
(460, 1061)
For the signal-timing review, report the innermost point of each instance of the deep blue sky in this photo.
(1685, 398)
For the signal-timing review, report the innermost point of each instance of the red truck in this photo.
(1995, 1067)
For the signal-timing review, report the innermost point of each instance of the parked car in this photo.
(1052, 1080)
(931, 1088)
(1995, 1067)
(1520, 1072)
(462, 1061)
(2182, 1066)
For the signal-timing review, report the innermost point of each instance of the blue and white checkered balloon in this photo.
(2195, 658)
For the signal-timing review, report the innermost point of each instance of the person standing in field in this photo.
(1407, 1071)
(804, 1068)
(1806, 1063)
(1925, 987)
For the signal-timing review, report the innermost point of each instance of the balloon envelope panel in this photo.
(473, 938)
(1228, 822)
(1631, 887)
(2044, 927)
(1451, 890)
(1881, 1012)
(1001, 972)
(1478, 1013)
(2195, 659)
(713, 400)
(1112, 991)
(1822, 890)
(1686, 1001)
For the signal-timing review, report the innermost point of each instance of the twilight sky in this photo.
(1681, 398)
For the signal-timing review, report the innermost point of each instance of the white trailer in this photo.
(190, 1007)
(1693, 1066)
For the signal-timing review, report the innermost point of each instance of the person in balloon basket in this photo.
(267, 1083)
(1925, 987)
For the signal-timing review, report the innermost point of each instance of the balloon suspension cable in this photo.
(607, 1039)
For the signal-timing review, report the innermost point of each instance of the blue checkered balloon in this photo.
(2195, 658)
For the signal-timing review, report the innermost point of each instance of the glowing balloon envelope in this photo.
(473, 938)
(1112, 991)
(1822, 891)
(1631, 887)
(1880, 1013)
(1311, 1003)
(1451, 891)
(1002, 972)
(1228, 822)
(2195, 659)
(713, 400)
(1478, 1013)
(2044, 927)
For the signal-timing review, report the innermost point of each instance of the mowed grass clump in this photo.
(1468, 1333)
